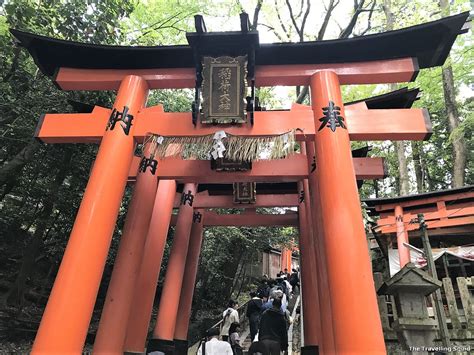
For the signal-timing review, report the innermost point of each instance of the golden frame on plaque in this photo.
(224, 89)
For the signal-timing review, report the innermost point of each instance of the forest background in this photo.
(41, 185)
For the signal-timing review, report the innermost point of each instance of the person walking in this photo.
(230, 316)
(272, 333)
(263, 290)
(294, 280)
(234, 338)
(214, 346)
(254, 311)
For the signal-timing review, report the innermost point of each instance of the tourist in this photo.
(272, 331)
(256, 348)
(276, 293)
(234, 338)
(254, 311)
(230, 316)
(284, 287)
(289, 288)
(263, 290)
(294, 280)
(214, 346)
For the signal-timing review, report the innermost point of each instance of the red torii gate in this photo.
(330, 219)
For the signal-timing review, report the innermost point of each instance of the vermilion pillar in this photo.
(355, 316)
(113, 322)
(189, 280)
(145, 286)
(402, 237)
(163, 333)
(289, 259)
(309, 284)
(65, 321)
(327, 345)
(285, 259)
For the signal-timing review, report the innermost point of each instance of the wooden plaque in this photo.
(245, 192)
(223, 90)
(223, 164)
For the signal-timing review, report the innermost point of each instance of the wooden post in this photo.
(402, 237)
(438, 301)
(163, 334)
(189, 280)
(145, 286)
(113, 322)
(451, 301)
(466, 300)
(355, 315)
(310, 297)
(383, 309)
(65, 321)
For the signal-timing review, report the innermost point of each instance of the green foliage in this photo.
(40, 198)
(224, 249)
(436, 154)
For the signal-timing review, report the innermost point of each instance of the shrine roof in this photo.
(423, 196)
(401, 98)
(429, 43)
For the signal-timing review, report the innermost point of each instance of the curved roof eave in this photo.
(430, 43)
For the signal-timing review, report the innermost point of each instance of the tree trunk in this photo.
(16, 293)
(10, 170)
(416, 148)
(402, 168)
(399, 146)
(459, 143)
(376, 188)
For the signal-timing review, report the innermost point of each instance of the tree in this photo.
(458, 141)
(403, 179)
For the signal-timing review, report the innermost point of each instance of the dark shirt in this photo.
(254, 306)
(294, 279)
(263, 291)
(273, 327)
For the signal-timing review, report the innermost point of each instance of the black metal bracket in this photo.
(148, 162)
(332, 117)
(313, 164)
(301, 196)
(187, 197)
(123, 116)
(197, 217)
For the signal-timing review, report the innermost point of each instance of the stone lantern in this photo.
(410, 286)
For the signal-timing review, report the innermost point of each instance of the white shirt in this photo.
(216, 347)
(233, 317)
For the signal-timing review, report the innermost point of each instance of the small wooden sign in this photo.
(245, 192)
(223, 164)
(224, 89)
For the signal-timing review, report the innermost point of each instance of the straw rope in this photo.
(238, 148)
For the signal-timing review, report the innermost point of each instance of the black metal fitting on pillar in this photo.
(167, 347)
(310, 350)
(180, 347)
